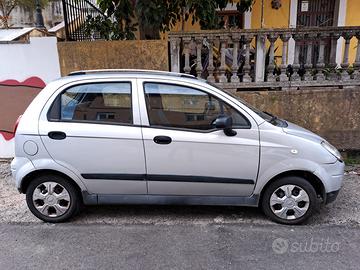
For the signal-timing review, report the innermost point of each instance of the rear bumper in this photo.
(20, 167)
(331, 196)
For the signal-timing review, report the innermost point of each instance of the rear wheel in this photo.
(289, 200)
(52, 198)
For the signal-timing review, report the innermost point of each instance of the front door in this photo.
(185, 154)
(90, 130)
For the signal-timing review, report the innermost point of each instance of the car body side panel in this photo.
(50, 164)
(99, 148)
(283, 152)
(101, 153)
(202, 155)
(197, 155)
(40, 161)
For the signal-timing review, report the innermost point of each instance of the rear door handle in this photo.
(57, 135)
(162, 139)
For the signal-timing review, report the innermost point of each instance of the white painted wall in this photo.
(38, 58)
(7, 149)
(21, 61)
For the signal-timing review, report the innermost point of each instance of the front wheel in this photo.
(52, 198)
(289, 200)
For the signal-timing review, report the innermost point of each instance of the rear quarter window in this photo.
(95, 102)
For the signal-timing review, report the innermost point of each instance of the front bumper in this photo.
(331, 175)
(331, 196)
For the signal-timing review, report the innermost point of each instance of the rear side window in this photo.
(96, 102)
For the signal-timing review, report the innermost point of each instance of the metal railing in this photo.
(241, 59)
(76, 12)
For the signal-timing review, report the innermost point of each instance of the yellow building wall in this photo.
(279, 18)
(352, 19)
(273, 18)
(188, 27)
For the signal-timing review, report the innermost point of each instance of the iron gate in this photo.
(76, 13)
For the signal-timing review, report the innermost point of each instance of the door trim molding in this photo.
(167, 178)
(198, 179)
(113, 176)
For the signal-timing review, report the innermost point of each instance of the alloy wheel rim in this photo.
(51, 199)
(289, 202)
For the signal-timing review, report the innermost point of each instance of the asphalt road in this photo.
(178, 247)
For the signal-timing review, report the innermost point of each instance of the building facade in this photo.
(268, 14)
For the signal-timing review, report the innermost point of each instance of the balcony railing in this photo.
(243, 59)
(76, 12)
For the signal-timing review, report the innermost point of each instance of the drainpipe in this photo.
(262, 25)
(183, 19)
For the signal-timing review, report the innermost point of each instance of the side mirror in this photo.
(225, 122)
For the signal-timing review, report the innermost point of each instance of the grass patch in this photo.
(351, 157)
(352, 160)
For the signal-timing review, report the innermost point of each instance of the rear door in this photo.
(93, 129)
(185, 154)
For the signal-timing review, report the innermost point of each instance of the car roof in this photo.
(134, 72)
(83, 75)
(127, 73)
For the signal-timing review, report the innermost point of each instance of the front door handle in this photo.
(57, 135)
(162, 139)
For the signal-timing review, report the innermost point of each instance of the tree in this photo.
(163, 15)
(155, 16)
(7, 6)
(117, 21)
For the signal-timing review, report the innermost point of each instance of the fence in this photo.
(239, 59)
(76, 12)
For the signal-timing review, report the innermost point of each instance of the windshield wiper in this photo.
(273, 117)
(276, 120)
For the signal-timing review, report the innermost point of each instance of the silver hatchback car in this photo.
(149, 137)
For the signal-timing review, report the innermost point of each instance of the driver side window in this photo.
(176, 106)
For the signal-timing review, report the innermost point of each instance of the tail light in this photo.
(17, 123)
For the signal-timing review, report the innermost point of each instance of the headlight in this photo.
(331, 149)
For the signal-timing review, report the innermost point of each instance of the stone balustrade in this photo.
(269, 58)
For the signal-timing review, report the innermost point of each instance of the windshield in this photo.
(264, 115)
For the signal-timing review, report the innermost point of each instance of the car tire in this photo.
(290, 200)
(59, 205)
